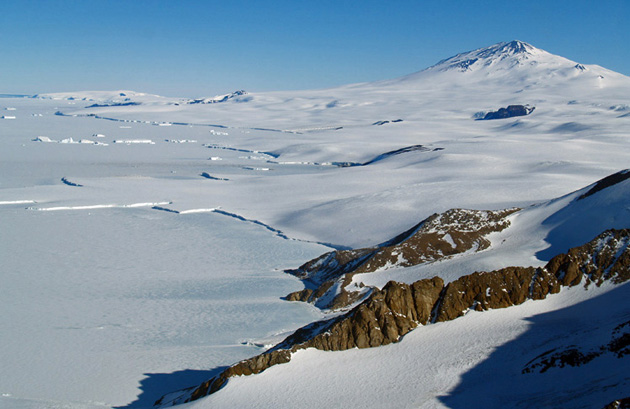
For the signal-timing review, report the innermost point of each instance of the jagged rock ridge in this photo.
(439, 236)
(391, 312)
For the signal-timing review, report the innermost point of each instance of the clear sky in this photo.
(202, 48)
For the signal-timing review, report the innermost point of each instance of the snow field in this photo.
(148, 274)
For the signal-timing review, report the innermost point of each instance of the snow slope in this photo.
(124, 263)
(535, 235)
(575, 136)
(477, 358)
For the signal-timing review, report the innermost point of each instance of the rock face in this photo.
(607, 182)
(509, 112)
(388, 314)
(607, 257)
(440, 236)
(384, 317)
(619, 404)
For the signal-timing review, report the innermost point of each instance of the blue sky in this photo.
(202, 48)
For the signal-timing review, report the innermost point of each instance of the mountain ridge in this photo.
(390, 313)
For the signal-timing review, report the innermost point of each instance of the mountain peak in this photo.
(513, 47)
(514, 53)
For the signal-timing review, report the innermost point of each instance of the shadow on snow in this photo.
(500, 380)
(156, 385)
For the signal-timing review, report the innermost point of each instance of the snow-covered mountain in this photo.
(516, 63)
(510, 58)
(189, 215)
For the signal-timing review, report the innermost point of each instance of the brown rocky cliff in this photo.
(383, 318)
(455, 231)
(605, 258)
(496, 289)
(391, 312)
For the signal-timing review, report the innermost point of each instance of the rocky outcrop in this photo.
(605, 258)
(386, 315)
(619, 404)
(496, 289)
(327, 278)
(607, 182)
(509, 112)
(619, 346)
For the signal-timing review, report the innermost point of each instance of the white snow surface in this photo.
(148, 275)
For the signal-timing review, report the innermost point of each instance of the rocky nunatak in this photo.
(509, 112)
(388, 314)
(327, 278)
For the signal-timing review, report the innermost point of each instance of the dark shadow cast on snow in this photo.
(601, 208)
(510, 378)
(156, 385)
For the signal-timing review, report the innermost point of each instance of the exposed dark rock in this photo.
(437, 237)
(384, 317)
(571, 357)
(607, 182)
(387, 122)
(509, 112)
(412, 148)
(114, 104)
(208, 176)
(620, 344)
(388, 314)
(496, 289)
(605, 258)
(619, 404)
(65, 181)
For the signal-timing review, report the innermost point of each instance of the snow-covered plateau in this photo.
(150, 245)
